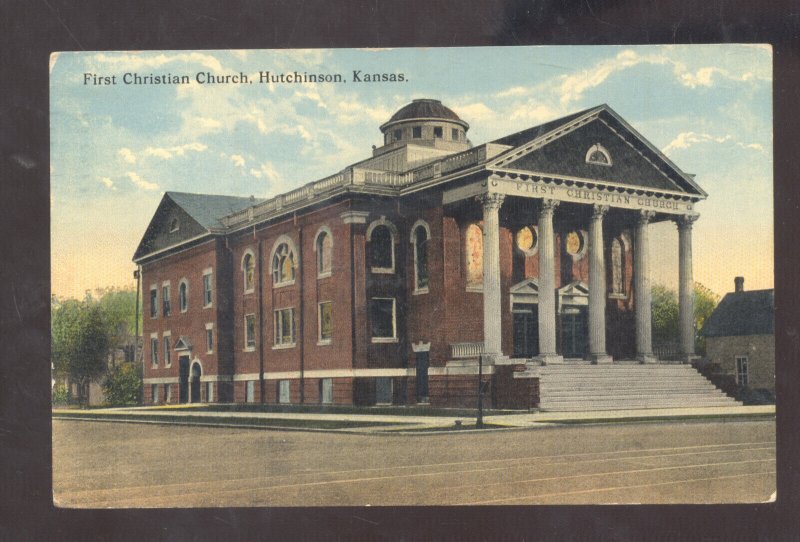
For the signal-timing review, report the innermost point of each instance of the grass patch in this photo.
(702, 417)
(218, 420)
(411, 410)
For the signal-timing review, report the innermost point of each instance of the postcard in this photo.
(381, 277)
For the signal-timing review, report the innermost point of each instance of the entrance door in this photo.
(183, 379)
(383, 390)
(196, 371)
(422, 362)
(574, 339)
(526, 330)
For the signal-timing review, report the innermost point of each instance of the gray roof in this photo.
(208, 209)
(742, 313)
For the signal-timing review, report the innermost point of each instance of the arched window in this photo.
(420, 234)
(597, 154)
(617, 267)
(381, 235)
(248, 271)
(283, 265)
(324, 249)
(474, 255)
(183, 295)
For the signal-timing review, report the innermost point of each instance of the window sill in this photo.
(420, 291)
(283, 284)
(476, 289)
(382, 270)
(211, 351)
(184, 311)
(210, 306)
(325, 275)
(249, 349)
(617, 296)
(250, 291)
(384, 340)
(284, 346)
(324, 342)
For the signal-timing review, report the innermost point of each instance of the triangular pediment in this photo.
(183, 344)
(169, 226)
(576, 288)
(566, 150)
(526, 287)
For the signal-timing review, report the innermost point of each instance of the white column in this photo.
(641, 274)
(492, 314)
(686, 287)
(547, 285)
(597, 288)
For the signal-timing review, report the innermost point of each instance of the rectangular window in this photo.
(383, 317)
(209, 340)
(326, 391)
(455, 134)
(207, 279)
(284, 327)
(325, 322)
(250, 331)
(416, 132)
(209, 392)
(153, 302)
(741, 370)
(284, 391)
(437, 132)
(167, 393)
(154, 393)
(167, 355)
(154, 351)
(165, 300)
(251, 391)
(398, 135)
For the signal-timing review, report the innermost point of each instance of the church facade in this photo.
(385, 282)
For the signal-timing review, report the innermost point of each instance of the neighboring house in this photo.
(383, 282)
(740, 337)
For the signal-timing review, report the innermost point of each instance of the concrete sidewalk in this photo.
(400, 423)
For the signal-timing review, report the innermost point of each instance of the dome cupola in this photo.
(428, 123)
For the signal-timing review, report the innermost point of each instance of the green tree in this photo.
(123, 384)
(119, 312)
(80, 341)
(665, 310)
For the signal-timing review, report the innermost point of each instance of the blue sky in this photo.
(115, 149)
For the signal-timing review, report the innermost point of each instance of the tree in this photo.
(80, 341)
(123, 384)
(665, 311)
(119, 312)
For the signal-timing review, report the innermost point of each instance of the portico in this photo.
(570, 224)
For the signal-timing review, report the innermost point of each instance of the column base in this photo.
(599, 359)
(646, 358)
(549, 359)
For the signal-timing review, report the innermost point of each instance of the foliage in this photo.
(60, 394)
(123, 384)
(665, 311)
(85, 332)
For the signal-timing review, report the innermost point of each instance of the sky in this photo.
(116, 148)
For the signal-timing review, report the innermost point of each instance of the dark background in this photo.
(30, 30)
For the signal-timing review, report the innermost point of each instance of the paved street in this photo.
(102, 464)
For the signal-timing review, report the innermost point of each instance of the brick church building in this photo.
(384, 282)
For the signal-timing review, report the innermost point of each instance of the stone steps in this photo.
(583, 387)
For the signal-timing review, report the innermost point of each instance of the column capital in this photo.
(645, 217)
(685, 222)
(491, 200)
(549, 205)
(598, 211)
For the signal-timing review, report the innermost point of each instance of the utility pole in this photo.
(479, 421)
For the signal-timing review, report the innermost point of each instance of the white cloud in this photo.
(145, 61)
(141, 183)
(168, 153)
(266, 171)
(238, 160)
(108, 183)
(476, 112)
(513, 91)
(701, 78)
(684, 140)
(127, 155)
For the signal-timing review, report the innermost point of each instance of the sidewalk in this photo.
(384, 423)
